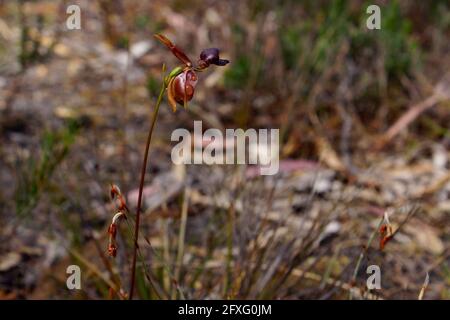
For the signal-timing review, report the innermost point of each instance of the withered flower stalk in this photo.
(122, 210)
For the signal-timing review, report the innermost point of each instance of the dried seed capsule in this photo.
(112, 250)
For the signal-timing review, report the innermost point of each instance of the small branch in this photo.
(441, 94)
(406, 119)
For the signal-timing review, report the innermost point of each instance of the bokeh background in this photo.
(75, 109)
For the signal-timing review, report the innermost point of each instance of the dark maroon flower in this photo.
(211, 56)
(182, 80)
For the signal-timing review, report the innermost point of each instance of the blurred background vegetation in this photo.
(74, 110)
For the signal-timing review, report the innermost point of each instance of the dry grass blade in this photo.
(93, 268)
(424, 286)
(181, 237)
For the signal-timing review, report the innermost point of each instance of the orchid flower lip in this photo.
(212, 56)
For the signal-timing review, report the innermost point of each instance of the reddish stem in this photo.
(141, 187)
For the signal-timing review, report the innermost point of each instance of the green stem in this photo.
(141, 187)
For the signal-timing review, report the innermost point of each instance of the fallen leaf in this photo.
(425, 237)
(9, 261)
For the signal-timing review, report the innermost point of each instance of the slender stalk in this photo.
(166, 255)
(181, 237)
(228, 271)
(361, 256)
(424, 287)
(141, 187)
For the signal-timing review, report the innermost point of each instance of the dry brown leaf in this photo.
(328, 155)
(9, 261)
(425, 236)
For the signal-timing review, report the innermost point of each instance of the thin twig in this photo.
(407, 118)
(93, 268)
(361, 256)
(424, 286)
